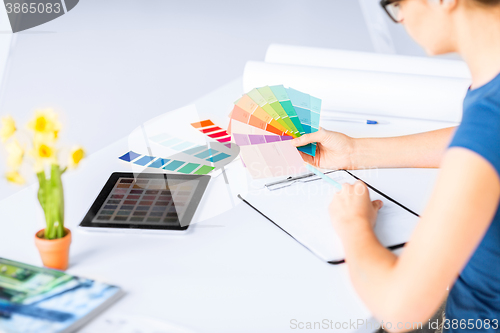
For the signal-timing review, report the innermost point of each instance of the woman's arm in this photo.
(411, 288)
(339, 151)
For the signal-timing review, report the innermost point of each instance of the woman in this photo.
(457, 242)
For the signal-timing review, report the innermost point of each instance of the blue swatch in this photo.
(158, 163)
(304, 117)
(309, 149)
(194, 150)
(315, 120)
(174, 165)
(208, 153)
(129, 157)
(218, 158)
(145, 160)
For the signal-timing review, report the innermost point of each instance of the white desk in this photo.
(235, 272)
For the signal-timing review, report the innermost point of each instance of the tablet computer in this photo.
(147, 201)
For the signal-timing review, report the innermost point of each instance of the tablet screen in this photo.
(147, 201)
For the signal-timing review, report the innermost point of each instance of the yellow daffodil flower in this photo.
(45, 122)
(15, 154)
(15, 177)
(44, 153)
(76, 155)
(8, 128)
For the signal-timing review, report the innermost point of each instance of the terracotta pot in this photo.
(54, 252)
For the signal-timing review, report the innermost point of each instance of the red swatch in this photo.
(218, 135)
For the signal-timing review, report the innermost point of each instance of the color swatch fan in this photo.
(171, 143)
(264, 119)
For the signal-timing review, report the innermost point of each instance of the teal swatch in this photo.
(174, 165)
(188, 168)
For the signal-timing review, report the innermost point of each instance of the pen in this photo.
(353, 120)
(323, 176)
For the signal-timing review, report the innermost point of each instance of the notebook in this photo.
(41, 300)
(299, 207)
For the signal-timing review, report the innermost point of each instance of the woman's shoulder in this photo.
(484, 100)
(482, 108)
(479, 130)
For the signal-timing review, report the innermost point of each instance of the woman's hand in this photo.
(351, 209)
(334, 150)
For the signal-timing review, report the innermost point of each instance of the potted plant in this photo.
(44, 154)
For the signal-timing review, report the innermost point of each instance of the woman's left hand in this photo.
(352, 209)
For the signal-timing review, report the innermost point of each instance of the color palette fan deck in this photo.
(263, 119)
(183, 156)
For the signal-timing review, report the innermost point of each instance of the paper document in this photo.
(301, 209)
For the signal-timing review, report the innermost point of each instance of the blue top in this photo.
(476, 293)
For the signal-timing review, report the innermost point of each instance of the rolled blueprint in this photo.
(368, 92)
(366, 61)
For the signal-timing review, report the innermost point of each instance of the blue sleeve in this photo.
(480, 131)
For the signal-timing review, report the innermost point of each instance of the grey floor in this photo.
(109, 65)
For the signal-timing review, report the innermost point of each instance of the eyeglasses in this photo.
(393, 9)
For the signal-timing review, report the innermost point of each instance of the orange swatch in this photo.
(204, 123)
(241, 115)
(248, 105)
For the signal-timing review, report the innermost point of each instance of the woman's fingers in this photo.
(303, 140)
(308, 158)
(377, 204)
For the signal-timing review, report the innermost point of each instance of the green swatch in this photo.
(188, 168)
(282, 96)
(261, 101)
(268, 95)
(204, 170)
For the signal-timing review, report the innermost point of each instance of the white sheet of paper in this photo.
(366, 61)
(367, 92)
(302, 210)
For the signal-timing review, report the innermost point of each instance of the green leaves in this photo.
(51, 198)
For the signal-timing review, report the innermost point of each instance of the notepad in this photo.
(300, 208)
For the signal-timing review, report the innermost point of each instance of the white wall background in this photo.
(109, 65)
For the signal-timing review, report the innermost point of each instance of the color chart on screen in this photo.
(147, 201)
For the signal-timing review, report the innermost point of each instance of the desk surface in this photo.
(235, 272)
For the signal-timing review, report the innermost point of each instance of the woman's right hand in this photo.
(333, 150)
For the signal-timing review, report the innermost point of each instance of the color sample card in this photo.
(255, 95)
(262, 145)
(274, 159)
(308, 109)
(242, 116)
(146, 201)
(203, 152)
(248, 105)
(208, 128)
(255, 139)
(282, 96)
(271, 99)
(176, 165)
